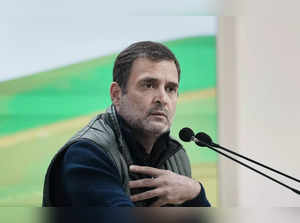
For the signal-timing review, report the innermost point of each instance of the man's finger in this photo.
(146, 170)
(148, 182)
(158, 203)
(146, 195)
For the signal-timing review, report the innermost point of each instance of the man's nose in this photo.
(161, 96)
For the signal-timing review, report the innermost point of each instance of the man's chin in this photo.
(157, 128)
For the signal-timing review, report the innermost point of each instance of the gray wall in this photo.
(258, 99)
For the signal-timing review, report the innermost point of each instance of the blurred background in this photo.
(240, 84)
(56, 77)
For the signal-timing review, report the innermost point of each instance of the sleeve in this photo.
(198, 201)
(91, 179)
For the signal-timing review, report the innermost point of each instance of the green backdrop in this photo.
(38, 113)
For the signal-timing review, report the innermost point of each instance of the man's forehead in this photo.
(144, 68)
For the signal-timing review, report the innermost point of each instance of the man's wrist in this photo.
(198, 201)
(196, 189)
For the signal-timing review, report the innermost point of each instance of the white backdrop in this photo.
(38, 36)
(258, 99)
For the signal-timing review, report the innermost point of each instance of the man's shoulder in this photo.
(176, 144)
(98, 135)
(98, 130)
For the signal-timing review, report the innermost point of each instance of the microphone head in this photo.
(186, 134)
(202, 136)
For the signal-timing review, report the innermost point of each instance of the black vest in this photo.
(104, 130)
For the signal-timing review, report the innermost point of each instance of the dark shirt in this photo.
(90, 178)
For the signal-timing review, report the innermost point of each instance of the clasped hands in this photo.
(169, 187)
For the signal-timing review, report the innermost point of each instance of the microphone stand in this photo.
(203, 137)
(256, 162)
(245, 165)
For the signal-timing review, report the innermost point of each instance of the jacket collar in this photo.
(111, 118)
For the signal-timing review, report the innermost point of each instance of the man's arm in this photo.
(91, 179)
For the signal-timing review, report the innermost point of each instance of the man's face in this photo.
(149, 103)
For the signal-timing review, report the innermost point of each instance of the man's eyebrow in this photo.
(148, 79)
(172, 84)
(153, 80)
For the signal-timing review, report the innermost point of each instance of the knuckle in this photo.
(164, 181)
(168, 172)
(135, 197)
(154, 193)
(159, 182)
(150, 194)
(147, 182)
(147, 168)
(143, 168)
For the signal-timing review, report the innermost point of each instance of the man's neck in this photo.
(147, 140)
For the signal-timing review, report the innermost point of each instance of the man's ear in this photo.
(115, 94)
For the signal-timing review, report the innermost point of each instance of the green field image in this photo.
(38, 113)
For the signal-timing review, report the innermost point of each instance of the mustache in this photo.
(159, 108)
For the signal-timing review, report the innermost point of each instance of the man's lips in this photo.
(159, 114)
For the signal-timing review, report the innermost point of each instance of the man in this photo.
(125, 156)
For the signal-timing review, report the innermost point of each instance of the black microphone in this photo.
(186, 134)
(202, 139)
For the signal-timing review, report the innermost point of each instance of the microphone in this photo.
(204, 140)
(186, 134)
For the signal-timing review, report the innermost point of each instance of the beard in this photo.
(141, 120)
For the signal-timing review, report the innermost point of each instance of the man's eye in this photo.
(148, 85)
(171, 89)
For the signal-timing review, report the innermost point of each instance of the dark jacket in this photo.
(105, 134)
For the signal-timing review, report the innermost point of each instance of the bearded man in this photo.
(125, 156)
